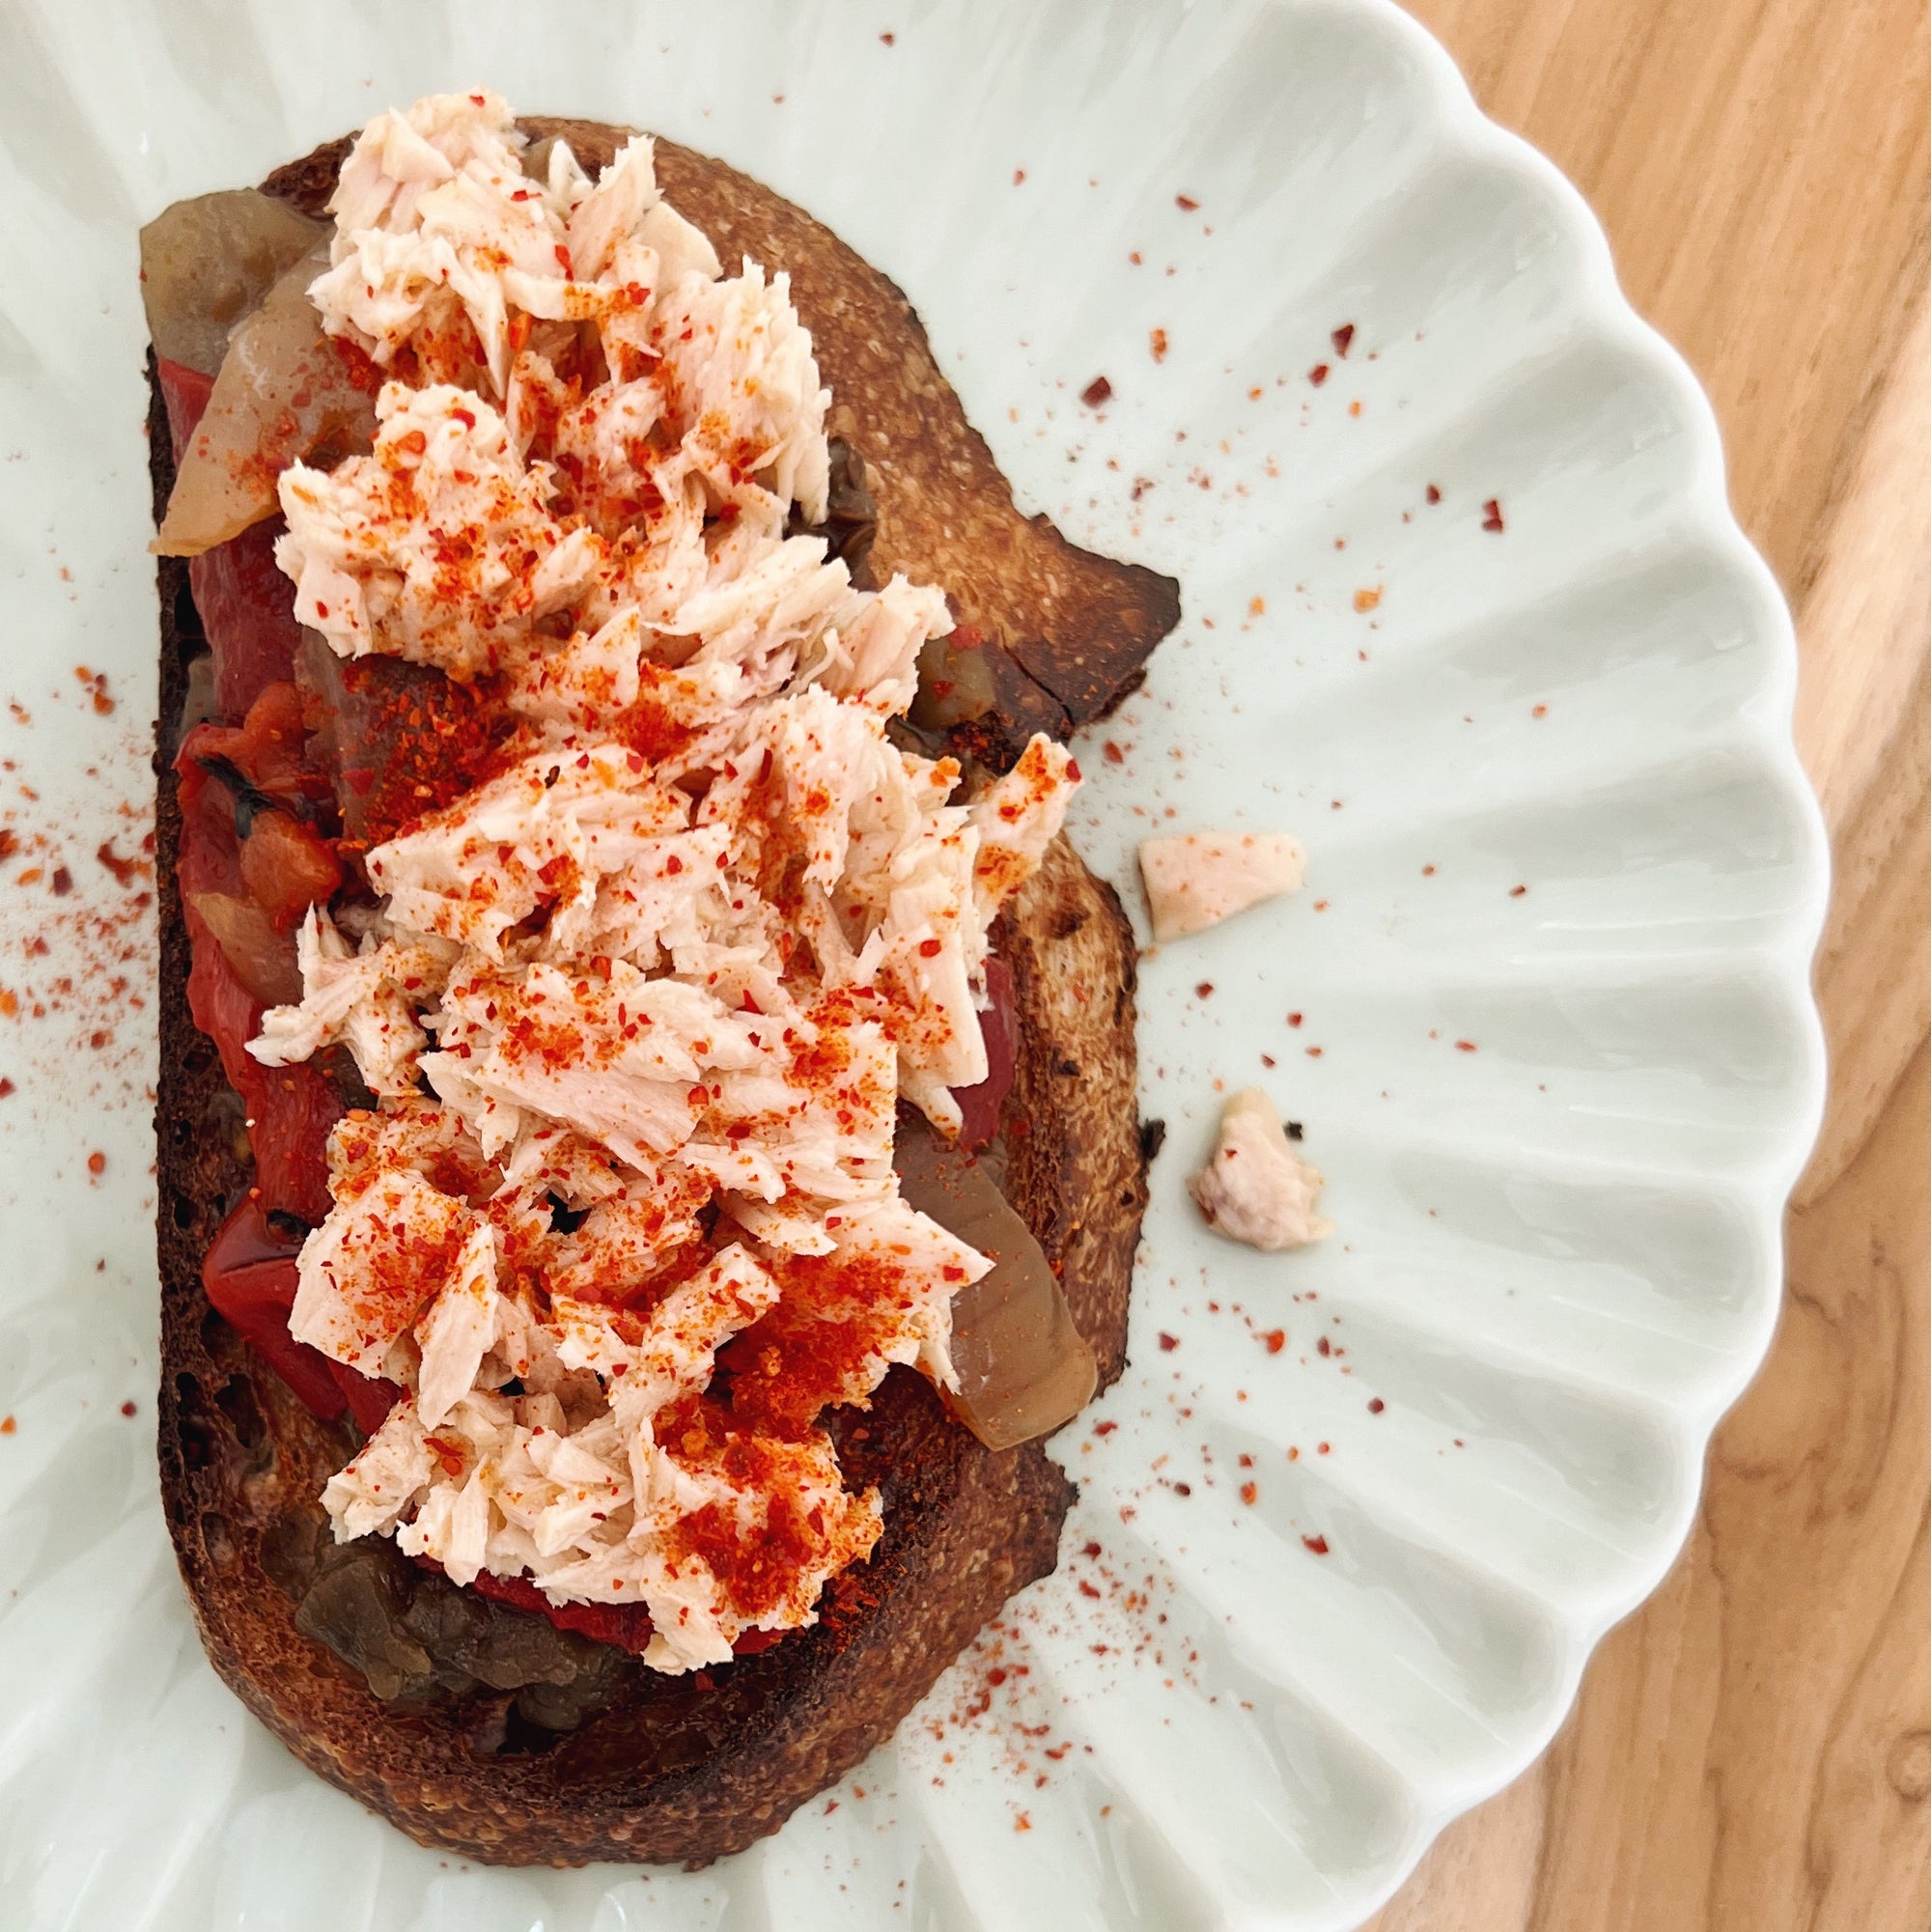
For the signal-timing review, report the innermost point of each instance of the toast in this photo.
(498, 1737)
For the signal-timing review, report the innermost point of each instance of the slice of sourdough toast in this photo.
(1064, 635)
(621, 1762)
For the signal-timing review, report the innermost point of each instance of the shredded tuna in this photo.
(1254, 1188)
(1200, 879)
(638, 1008)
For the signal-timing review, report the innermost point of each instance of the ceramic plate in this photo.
(1468, 613)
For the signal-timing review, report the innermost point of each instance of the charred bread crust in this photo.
(670, 1770)
(1067, 633)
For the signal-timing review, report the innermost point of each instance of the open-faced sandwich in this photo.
(647, 1140)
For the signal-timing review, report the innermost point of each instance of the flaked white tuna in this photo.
(1199, 878)
(1256, 1188)
(681, 957)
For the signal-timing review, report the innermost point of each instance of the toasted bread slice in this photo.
(662, 1768)
(1065, 634)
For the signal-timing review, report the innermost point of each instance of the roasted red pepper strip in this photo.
(250, 1274)
(628, 1626)
(999, 1025)
(287, 868)
(289, 1109)
(247, 607)
(256, 1301)
(186, 392)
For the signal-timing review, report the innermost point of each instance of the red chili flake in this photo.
(1018, 176)
(1097, 392)
(1113, 753)
(1492, 516)
(1023, 1823)
(1072, 771)
(1312, 1053)
(1318, 1545)
(1318, 375)
(8, 1425)
(1136, 258)
(6, 1087)
(889, 40)
(1465, 1046)
(1428, 872)
(1186, 201)
(1157, 342)
(96, 1162)
(1294, 1019)
(1183, 1489)
(124, 870)
(1204, 990)
(1515, 891)
(1540, 710)
(1104, 1428)
(128, 1409)
(1376, 1405)
(62, 881)
(930, 949)
(1089, 1549)
(1342, 338)
(1168, 1342)
(1275, 1340)
(1366, 599)
(1433, 494)
(1250, 1491)
(1323, 1346)
(1269, 1060)
(1086, 1589)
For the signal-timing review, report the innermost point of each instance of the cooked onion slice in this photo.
(286, 392)
(206, 263)
(1023, 1369)
(264, 959)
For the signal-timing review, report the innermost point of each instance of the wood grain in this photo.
(1753, 1751)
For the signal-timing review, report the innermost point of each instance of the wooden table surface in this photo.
(1752, 1751)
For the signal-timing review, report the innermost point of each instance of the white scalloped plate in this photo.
(1558, 1250)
